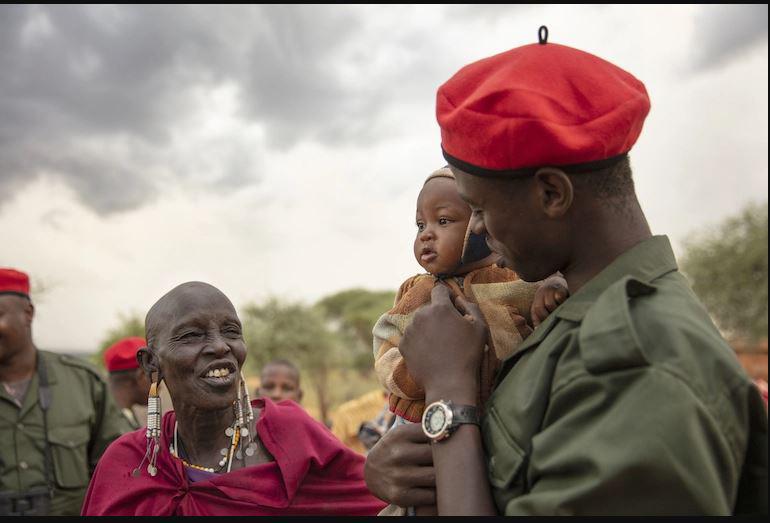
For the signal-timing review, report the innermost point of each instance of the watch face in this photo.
(435, 421)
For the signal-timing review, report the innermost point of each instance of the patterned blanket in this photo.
(504, 300)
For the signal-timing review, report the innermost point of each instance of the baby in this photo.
(447, 249)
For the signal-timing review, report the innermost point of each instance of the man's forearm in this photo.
(462, 484)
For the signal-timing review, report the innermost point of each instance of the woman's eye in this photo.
(232, 333)
(191, 335)
(443, 221)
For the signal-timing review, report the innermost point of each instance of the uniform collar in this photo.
(646, 261)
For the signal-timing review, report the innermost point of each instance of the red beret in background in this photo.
(539, 105)
(122, 354)
(13, 282)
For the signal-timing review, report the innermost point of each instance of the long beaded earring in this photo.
(153, 431)
(251, 448)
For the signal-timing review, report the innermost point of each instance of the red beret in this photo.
(14, 282)
(539, 105)
(122, 354)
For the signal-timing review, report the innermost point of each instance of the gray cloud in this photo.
(92, 95)
(724, 32)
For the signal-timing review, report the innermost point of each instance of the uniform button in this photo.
(23, 465)
(20, 426)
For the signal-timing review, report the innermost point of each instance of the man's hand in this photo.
(552, 293)
(399, 468)
(443, 346)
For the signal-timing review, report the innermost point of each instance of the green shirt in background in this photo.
(627, 400)
(83, 420)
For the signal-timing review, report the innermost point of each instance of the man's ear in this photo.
(29, 312)
(555, 191)
(299, 396)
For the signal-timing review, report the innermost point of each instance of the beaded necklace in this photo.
(236, 432)
(227, 453)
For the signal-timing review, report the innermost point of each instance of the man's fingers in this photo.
(468, 309)
(414, 497)
(538, 313)
(424, 477)
(440, 295)
(550, 301)
(412, 432)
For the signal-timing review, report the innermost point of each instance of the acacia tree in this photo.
(727, 267)
(298, 332)
(352, 314)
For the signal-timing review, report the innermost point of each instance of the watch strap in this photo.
(465, 414)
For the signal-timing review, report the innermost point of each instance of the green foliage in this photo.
(325, 341)
(128, 325)
(353, 314)
(295, 332)
(727, 267)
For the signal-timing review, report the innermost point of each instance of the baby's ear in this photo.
(475, 247)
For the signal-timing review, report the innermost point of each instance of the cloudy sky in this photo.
(278, 150)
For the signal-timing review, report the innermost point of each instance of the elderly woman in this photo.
(218, 453)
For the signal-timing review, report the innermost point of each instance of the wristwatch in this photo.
(442, 418)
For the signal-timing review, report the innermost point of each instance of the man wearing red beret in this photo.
(626, 400)
(130, 386)
(56, 415)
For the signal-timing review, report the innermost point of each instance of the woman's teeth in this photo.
(218, 373)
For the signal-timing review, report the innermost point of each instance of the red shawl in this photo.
(313, 473)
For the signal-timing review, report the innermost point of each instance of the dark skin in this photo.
(280, 382)
(442, 219)
(190, 331)
(540, 225)
(18, 356)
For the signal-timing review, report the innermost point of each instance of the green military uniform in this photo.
(82, 421)
(627, 400)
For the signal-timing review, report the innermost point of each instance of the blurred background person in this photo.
(279, 381)
(56, 415)
(348, 418)
(128, 382)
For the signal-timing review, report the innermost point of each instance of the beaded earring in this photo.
(153, 431)
(251, 448)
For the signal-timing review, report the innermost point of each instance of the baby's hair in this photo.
(444, 172)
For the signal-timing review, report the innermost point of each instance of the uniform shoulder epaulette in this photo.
(80, 363)
(608, 339)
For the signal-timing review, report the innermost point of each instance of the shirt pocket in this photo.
(507, 460)
(69, 452)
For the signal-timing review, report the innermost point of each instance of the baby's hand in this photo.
(548, 296)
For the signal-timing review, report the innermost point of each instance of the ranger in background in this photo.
(56, 415)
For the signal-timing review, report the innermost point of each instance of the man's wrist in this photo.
(463, 393)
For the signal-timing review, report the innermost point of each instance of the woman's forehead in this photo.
(192, 303)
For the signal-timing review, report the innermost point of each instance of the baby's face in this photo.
(442, 219)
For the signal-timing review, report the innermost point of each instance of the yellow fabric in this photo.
(347, 418)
